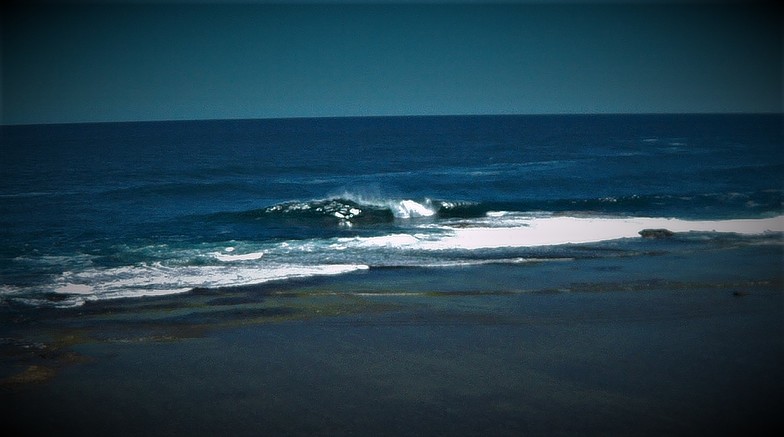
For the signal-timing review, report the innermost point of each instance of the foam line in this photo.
(242, 257)
(553, 231)
(156, 280)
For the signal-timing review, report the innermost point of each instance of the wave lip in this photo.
(411, 209)
(340, 210)
(349, 210)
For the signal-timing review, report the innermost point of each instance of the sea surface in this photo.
(103, 211)
(446, 275)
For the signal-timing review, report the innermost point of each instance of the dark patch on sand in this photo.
(32, 362)
(234, 300)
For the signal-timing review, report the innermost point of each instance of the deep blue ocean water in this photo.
(99, 211)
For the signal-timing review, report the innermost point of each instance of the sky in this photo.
(109, 61)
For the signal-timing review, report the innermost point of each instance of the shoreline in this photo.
(664, 343)
(537, 239)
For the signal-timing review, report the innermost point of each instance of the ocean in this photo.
(403, 275)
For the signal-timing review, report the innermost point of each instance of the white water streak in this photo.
(553, 231)
(151, 280)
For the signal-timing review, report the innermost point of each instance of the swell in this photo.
(349, 211)
(341, 211)
(717, 205)
(177, 189)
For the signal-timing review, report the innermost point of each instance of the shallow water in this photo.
(647, 345)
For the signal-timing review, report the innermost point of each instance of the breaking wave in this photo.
(348, 211)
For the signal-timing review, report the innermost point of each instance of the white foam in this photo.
(240, 257)
(393, 240)
(69, 288)
(498, 213)
(479, 262)
(401, 209)
(551, 231)
(156, 279)
(412, 209)
(512, 230)
(71, 302)
(9, 289)
(134, 292)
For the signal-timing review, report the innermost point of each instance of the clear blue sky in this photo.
(73, 62)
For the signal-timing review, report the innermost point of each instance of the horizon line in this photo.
(325, 117)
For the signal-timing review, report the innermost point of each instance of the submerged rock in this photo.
(656, 233)
(31, 375)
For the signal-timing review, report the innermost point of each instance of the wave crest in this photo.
(339, 210)
(348, 210)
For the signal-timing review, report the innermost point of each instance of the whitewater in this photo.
(451, 243)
